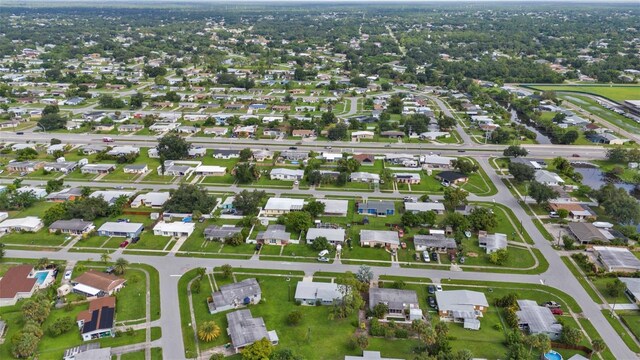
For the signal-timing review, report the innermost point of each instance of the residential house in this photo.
(72, 227)
(151, 199)
(97, 283)
(17, 283)
(235, 295)
(280, 206)
(633, 289)
(335, 207)
(161, 127)
(416, 207)
(535, 319)
(294, 155)
(123, 150)
(286, 174)
(64, 167)
(577, 212)
(537, 164)
(28, 224)
(392, 134)
(35, 191)
(221, 233)
(368, 355)
(377, 208)
(130, 127)
(217, 131)
(333, 236)
(614, 259)
(194, 152)
(99, 321)
(303, 133)
(120, 229)
(400, 303)
(492, 242)
(606, 138)
(175, 229)
(262, 155)
(275, 235)
(210, 170)
(135, 168)
(436, 161)
(244, 330)
(434, 241)
(364, 177)
(463, 306)
(97, 168)
(451, 178)
(51, 149)
(407, 178)
(226, 154)
(92, 149)
(245, 131)
(111, 196)
(548, 178)
(313, 293)
(24, 166)
(68, 194)
(364, 159)
(381, 238)
(178, 168)
(363, 134)
(586, 233)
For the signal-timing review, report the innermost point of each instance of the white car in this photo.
(438, 287)
(67, 275)
(323, 253)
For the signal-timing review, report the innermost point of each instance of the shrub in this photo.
(402, 333)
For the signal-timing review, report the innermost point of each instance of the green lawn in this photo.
(41, 238)
(601, 286)
(633, 320)
(617, 93)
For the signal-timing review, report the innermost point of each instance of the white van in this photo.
(425, 256)
(323, 253)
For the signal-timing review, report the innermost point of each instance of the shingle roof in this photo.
(99, 280)
(332, 235)
(245, 329)
(236, 292)
(586, 232)
(434, 241)
(16, 280)
(73, 225)
(382, 236)
(394, 298)
(538, 319)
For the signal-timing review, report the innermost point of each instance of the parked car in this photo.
(110, 270)
(258, 247)
(425, 256)
(323, 253)
(554, 215)
(432, 301)
(123, 220)
(557, 311)
(552, 305)
(434, 256)
(124, 244)
(135, 239)
(323, 259)
(431, 289)
(461, 260)
(67, 275)
(438, 287)
(417, 256)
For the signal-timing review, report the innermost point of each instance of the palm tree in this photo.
(208, 331)
(598, 345)
(42, 263)
(105, 258)
(121, 266)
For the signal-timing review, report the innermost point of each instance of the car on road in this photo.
(293, 148)
(388, 145)
(462, 150)
(431, 289)
(20, 133)
(432, 301)
(124, 244)
(323, 259)
(67, 275)
(328, 147)
(575, 155)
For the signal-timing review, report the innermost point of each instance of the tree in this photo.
(189, 198)
(2, 252)
(121, 266)
(55, 141)
(446, 123)
(105, 257)
(521, 172)
(24, 344)
(259, 350)
(515, 151)
(42, 263)
(338, 132)
(227, 271)
(51, 122)
(380, 310)
(173, 147)
(541, 193)
(314, 208)
(454, 197)
(245, 173)
(136, 100)
(499, 257)
(284, 354)
(321, 243)
(61, 326)
(110, 102)
(328, 118)
(465, 166)
(615, 288)
(246, 154)
(351, 298)
(296, 221)
(364, 274)
(294, 317)
(208, 331)
(35, 310)
(362, 341)
(50, 109)
(248, 202)
(571, 335)
(500, 136)
(618, 204)
(54, 185)
(569, 137)
(540, 342)
(347, 165)
(26, 154)
(563, 213)
(598, 345)
(482, 218)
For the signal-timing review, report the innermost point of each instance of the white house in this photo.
(151, 199)
(179, 229)
(279, 206)
(548, 178)
(286, 174)
(29, 223)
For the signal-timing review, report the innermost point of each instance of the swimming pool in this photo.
(552, 355)
(41, 276)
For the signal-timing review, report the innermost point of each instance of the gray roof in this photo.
(394, 298)
(434, 241)
(379, 206)
(236, 292)
(633, 286)
(423, 206)
(493, 242)
(121, 227)
(460, 300)
(368, 355)
(244, 329)
(135, 166)
(382, 236)
(586, 232)
(73, 224)
(221, 232)
(539, 319)
(318, 290)
(333, 235)
(332, 206)
(65, 194)
(274, 232)
(617, 258)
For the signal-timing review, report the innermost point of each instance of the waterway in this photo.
(541, 139)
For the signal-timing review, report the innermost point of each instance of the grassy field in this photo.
(617, 93)
(593, 107)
